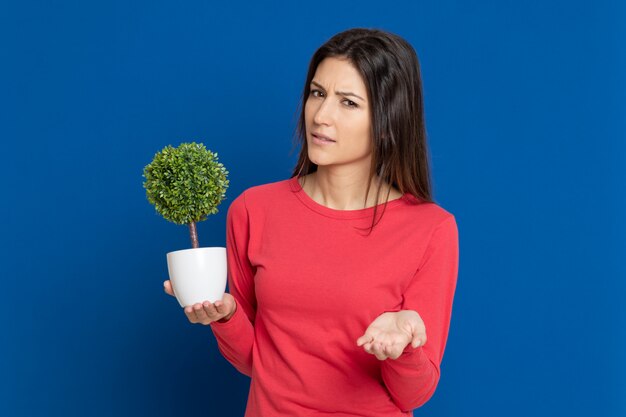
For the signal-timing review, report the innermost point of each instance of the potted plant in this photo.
(185, 185)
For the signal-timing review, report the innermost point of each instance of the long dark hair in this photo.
(391, 71)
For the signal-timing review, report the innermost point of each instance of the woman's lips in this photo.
(321, 141)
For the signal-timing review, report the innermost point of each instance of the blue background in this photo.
(525, 111)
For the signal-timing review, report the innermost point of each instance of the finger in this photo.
(418, 340)
(198, 308)
(210, 311)
(219, 307)
(167, 287)
(379, 351)
(393, 352)
(364, 339)
(191, 315)
(415, 342)
(224, 309)
(388, 351)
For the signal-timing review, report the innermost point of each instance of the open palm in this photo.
(388, 335)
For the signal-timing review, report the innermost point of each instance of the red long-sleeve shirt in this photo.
(307, 285)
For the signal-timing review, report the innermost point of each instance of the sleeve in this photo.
(411, 379)
(235, 337)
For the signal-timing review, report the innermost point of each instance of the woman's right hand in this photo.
(207, 312)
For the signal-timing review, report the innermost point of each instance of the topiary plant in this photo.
(185, 184)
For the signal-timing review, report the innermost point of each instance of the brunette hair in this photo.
(390, 69)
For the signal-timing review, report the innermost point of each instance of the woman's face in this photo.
(338, 108)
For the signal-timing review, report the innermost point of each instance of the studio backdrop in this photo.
(524, 106)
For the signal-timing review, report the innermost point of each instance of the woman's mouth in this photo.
(321, 140)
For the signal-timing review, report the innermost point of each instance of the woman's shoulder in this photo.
(262, 194)
(274, 189)
(426, 212)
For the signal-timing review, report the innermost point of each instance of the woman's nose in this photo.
(323, 114)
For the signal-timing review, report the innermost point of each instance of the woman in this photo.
(323, 317)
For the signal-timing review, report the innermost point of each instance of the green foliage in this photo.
(185, 184)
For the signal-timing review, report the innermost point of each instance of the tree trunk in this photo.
(194, 235)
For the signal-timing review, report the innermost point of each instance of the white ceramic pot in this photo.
(198, 274)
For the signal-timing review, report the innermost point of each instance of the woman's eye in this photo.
(350, 103)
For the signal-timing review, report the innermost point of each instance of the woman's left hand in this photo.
(391, 332)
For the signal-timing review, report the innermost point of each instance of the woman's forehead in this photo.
(338, 74)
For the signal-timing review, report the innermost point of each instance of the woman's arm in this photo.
(235, 337)
(412, 378)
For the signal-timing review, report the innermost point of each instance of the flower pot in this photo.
(198, 274)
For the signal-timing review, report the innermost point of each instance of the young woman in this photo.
(330, 303)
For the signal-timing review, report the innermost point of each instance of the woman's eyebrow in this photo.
(341, 93)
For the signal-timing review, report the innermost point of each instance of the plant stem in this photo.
(194, 235)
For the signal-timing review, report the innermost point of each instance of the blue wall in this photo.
(525, 108)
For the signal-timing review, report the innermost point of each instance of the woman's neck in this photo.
(345, 192)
